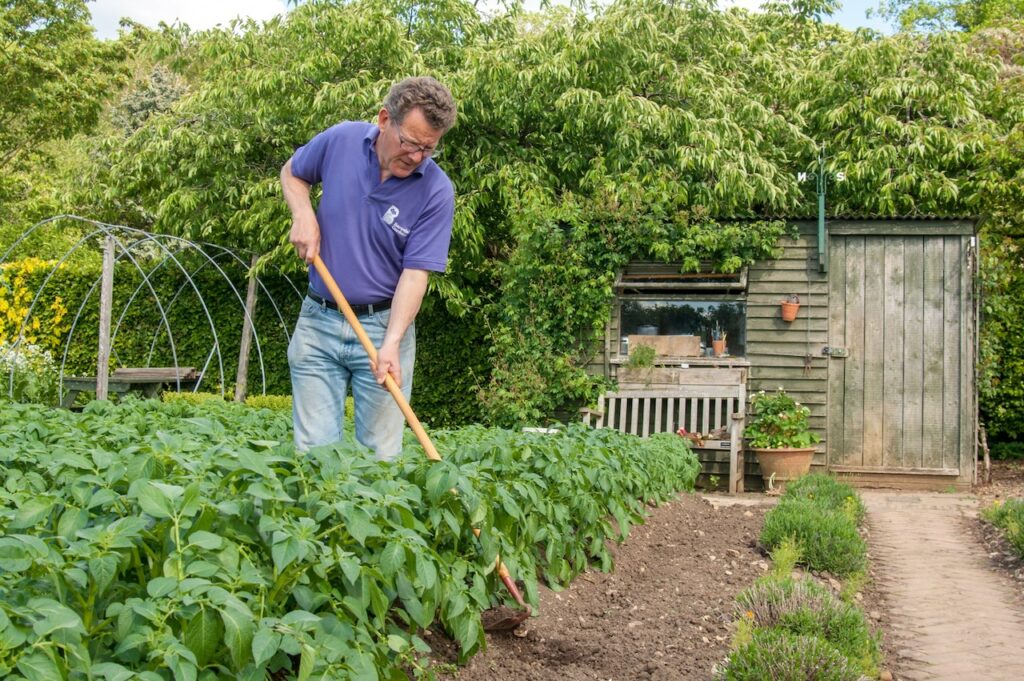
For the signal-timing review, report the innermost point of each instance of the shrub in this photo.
(1009, 516)
(188, 397)
(1007, 450)
(828, 539)
(780, 655)
(28, 374)
(808, 609)
(274, 402)
(828, 492)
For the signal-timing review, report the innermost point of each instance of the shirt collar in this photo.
(370, 138)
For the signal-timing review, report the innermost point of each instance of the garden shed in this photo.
(882, 349)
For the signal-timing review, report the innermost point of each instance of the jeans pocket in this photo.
(309, 307)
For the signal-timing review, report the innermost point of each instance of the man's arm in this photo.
(412, 285)
(305, 233)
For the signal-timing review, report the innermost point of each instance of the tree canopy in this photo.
(673, 131)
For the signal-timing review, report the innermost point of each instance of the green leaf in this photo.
(103, 570)
(238, 632)
(152, 499)
(397, 643)
(56, 616)
(359, 525)
(31, 512)
(265, 644)
(158, 587)
(392, 558)
(205, 540)
(111, 671)
(202, 635)
(39, 667)
(306, 662)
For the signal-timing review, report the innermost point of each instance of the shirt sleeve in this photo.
(427, 246)
(308, 160)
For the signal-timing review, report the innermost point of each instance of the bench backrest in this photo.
(705, 406)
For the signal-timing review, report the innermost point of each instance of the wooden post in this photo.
(106, 302)
(243, 351)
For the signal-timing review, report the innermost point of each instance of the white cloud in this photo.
(198, 14)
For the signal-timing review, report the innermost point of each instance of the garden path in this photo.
(953, 616)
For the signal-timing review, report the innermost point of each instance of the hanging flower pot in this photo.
(789, 308)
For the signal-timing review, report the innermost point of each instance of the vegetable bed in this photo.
(156, 541)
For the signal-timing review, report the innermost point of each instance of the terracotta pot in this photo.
(785, 463)
(789, 310)
(718, 347)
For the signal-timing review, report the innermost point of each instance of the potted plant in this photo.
(779, 434)
(790, 306)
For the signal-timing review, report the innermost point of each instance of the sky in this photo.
(202, 14)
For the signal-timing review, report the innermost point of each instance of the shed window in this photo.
(656, 299)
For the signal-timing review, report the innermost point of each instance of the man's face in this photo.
(401, 148)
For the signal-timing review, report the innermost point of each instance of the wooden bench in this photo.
(147, 380)
(708, 403)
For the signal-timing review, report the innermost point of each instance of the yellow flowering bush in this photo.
(48, 324)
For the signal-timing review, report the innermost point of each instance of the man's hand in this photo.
(388, 363)
(305, 235)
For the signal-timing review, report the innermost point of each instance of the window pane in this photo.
(667, 317)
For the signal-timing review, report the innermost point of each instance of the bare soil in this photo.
(663, 614)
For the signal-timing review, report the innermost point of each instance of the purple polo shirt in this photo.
(371, 230)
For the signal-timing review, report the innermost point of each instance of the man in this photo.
(383, 223)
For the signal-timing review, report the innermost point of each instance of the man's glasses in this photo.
(410, 148)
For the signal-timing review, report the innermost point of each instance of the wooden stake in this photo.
(242, 378)
(106, 302)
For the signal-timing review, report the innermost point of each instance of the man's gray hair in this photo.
(427, 95)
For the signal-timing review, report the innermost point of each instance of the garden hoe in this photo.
(496, 619)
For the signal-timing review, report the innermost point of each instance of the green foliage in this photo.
(1001, 365)
(54, 81)
(785, 557)
(805, 608)
(822, 519)
(175, 540)
(938, 15)
(276, 403)
(780, 655)
(644, 129)
(1008, 450)
(640, 357)
(778, 421)
(1008, 516)
(28, 374)
(828, 492)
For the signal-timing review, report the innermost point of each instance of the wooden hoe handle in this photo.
(403, 404)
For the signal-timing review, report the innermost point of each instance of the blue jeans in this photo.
(325, 358)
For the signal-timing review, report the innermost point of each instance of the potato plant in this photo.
(157, 541)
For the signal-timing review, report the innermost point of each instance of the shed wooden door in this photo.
(902, 399)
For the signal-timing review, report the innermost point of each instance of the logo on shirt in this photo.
(389, 218)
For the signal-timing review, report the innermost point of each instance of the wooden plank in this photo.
(897, 471)
(763, 327)
(692, 424)
(667, 346)
(952, 314)
(855, 346)
(169, 374)
(836, 367)
(913, 351)
(873, 348)
(968, 349)
(932, 399)
(892, 365)
(658, 425)
(916, 228)
(631, 402)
